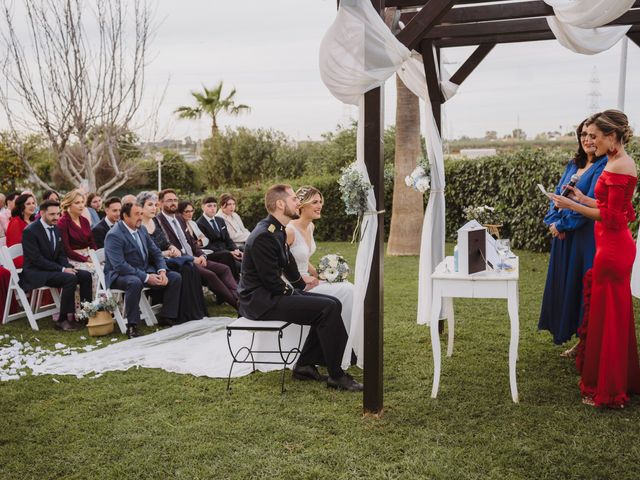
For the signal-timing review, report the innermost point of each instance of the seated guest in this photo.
(186, 209)
(23, 214)
(217, 276)
(45, 264)
(112, 215)
(132, 262)
(5, 214)
(76, 231)
(94, 204)
(50, 195)
(224, 250)
(192, 304)
(236, 229)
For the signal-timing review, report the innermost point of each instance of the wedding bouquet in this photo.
(101, 304)
(333, 268)
(419, 178)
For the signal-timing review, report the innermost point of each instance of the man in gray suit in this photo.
(133, 262)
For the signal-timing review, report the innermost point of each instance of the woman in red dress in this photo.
(608, 352)
(22, 215)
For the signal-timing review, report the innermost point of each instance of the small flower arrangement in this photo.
(484, 214)
(419, 178)
(354, 190)
(103, 303)
(333, 268)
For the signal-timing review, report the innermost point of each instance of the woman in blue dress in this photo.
(572, 248)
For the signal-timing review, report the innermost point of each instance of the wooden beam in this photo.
(422, 3)
(471, 63)
(488, 13)
(372, 402)
(532, 25)
(503, 38)
(423, 21)
(433, 82)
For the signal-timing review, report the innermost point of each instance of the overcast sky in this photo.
(268, 50)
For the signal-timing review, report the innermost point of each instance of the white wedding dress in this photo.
(343, 291)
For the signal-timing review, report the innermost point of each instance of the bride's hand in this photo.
(310, 281)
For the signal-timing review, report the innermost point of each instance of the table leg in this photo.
(436, 303)
(512, 303)
(448, 306)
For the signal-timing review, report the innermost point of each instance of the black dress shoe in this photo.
(165, 322)
(132, 331)
(307, 372)
(345, 382)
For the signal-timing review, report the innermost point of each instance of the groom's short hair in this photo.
(275, 193)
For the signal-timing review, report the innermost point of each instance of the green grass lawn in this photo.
(152, 424)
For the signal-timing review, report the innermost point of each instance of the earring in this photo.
(612, 151)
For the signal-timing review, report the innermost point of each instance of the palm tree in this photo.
(407, 210)
(210, 102)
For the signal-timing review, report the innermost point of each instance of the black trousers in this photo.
(68, 283)
(133, 286)
(327, 338)
(227, 259)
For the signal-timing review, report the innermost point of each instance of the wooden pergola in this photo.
(433, 25)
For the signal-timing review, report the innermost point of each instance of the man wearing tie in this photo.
(216, 275)
(215, 228)
(112, 214)
(45, 264)
(132, 262)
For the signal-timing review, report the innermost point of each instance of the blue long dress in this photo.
(561, 311)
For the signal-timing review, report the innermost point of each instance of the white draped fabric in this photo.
(575, 24)
(357, 54)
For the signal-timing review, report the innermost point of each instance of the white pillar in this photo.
(623, 73)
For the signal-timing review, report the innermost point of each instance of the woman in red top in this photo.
(608, 352)
(22, 215)
(75, 230)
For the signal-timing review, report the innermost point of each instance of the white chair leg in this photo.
(26, 305)
(7, 306)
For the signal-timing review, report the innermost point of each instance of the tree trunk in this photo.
(407, 211)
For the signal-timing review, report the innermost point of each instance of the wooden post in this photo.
(373, 304)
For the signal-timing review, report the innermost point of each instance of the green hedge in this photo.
(507, 182)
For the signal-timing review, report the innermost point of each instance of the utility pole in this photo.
(622, 83)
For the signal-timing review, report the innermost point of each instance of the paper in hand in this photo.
(543, 190)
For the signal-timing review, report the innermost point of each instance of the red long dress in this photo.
(608, 351)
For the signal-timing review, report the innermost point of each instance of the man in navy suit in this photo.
(46, 264)
(112, 214)
(132, 262)
(215, 228)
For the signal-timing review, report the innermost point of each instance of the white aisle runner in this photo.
(198, 348)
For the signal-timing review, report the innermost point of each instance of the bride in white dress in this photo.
(303, 246)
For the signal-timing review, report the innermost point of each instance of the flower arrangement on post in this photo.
(487, 216)
(333, 268)
(419, 178)
(354, 191)
(98, 313)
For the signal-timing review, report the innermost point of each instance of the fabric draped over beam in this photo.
(359, 53)
(576, 23)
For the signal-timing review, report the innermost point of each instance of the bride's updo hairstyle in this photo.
(612, 121)
(305, 195)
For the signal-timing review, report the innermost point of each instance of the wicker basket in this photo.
(101, 324)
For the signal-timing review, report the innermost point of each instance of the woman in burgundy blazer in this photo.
(75, 229)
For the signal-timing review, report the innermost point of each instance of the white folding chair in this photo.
(147, 311)
(30, 308)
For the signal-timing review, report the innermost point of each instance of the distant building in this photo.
(477, 152)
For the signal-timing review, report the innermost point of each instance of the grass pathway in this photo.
(152, 424)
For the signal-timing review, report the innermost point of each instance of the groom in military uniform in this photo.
(264, 295)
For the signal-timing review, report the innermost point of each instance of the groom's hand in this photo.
(310, 282)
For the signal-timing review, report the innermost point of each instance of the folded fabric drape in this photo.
(576, 23)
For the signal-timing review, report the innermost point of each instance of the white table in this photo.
(448, 284)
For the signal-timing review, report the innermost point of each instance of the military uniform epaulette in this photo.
(271, 228)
